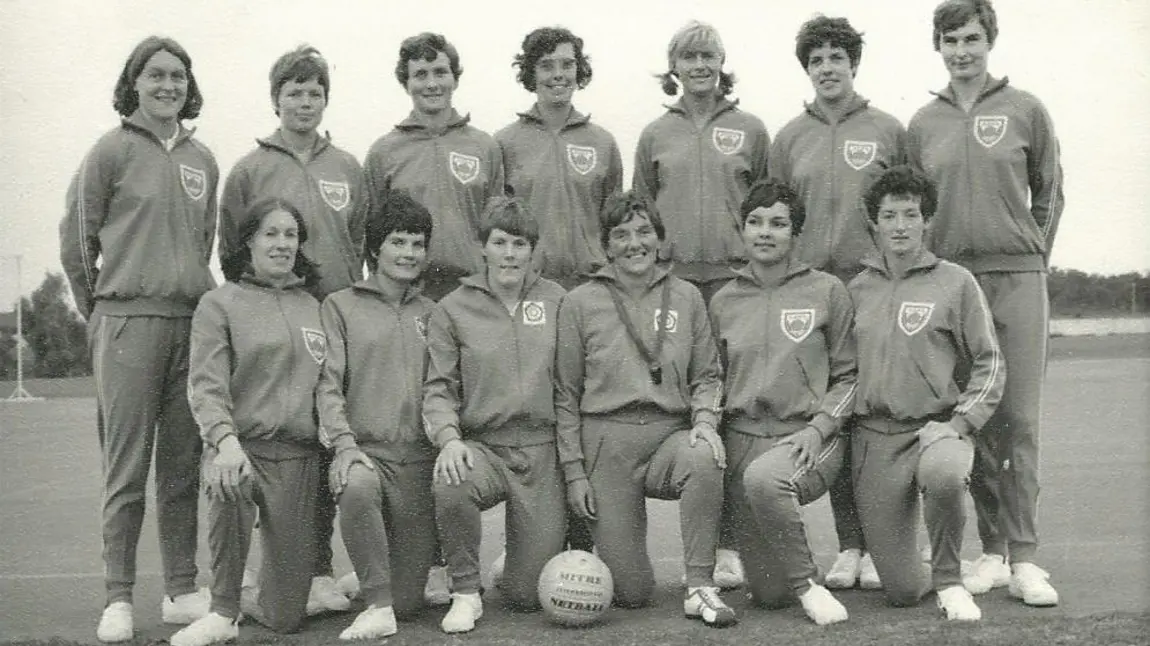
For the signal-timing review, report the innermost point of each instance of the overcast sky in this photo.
(1086, 59)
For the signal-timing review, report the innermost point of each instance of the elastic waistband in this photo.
(516, 434)
(769, 427)
(888, 426)
(280, 449)
(161, 307)
(641, 415)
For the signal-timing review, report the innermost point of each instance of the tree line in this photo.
(56, 343)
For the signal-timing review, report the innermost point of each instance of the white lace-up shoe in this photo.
(186, 608)
(845, 571)
(115, 623)
(958, 605)
(821, 606)
(987, 572)
(704, 603)
(373, 623)
(325, 597)
(466, 609)
(212, 628)
(1031, 584)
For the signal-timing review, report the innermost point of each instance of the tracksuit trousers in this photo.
(529, 480)
(141, 374)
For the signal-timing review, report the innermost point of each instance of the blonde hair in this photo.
(693, 35)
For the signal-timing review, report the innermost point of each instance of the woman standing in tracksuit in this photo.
(488, 404)
(830, 153)
(135, 244)
(298, 165)
(930, 375)
(785, 331)
(563, 167)
(991, 150)
(256, 353)
(638, 391)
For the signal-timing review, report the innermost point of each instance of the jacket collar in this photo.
(574, 118)
(925, 262)
(992, 85)
(136, 122)
(478, 281)
(276, 141)
(248, 278)
(370, 285)
(721, 106)
(608, 273)
(795, 267)
(858, 103)
(413, 123)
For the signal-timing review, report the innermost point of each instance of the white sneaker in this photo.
(373, 623)
(987, 572)
(822, 606)
(324, 597)
(497, 569)
(1032, 584)
(845, 571)
(466, 609)
(705, 603)
(958, 605)
(348, 585)
(868, 575)
(728, 569)
(186, 608)
(115, 623)
(212, 628)
(437, 590)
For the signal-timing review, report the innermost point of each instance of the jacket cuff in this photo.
(961, 424)
(217, 433)
(445, 435)
(824, 424)
(573, 471)
(706, 415)
(342, 442)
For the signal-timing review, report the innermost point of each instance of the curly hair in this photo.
(821, 30)
(902, 181)
(543, 41)
(124, 97)
(425, 46)
(400, 212)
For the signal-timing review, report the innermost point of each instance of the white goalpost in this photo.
(20, 394)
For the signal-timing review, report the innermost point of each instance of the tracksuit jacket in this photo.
(697, 180)
(369, 392)
(329, 192)
(912, 332)
(149, 215)
(452, 174)
(564, 178)
(600, 372)
(489, 374)
(256, 352)
(790, 353)
(832, 164)
(998, 174)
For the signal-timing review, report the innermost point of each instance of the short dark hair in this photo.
(902, 181)
(621, 207)
(301, 64)
(124, 98)
(425, 46)
(239, 261)
(510, 215)
(400, 212)
(836, 32)
(543, 41)
(953, 14)
(765, 193)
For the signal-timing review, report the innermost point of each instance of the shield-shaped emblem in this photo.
(534, 313)
(337, 195)
(465, 168)
(990, 130)
(797, 324)
(581, 158)
(672, 323)
(913, 317)
(194, 181)
(859, 154)
(421, 326)
(727, 141)
(316, 343)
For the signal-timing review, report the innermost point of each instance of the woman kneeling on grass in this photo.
(256, 352)
(918, 319)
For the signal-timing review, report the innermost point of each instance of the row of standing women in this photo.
(298, 218)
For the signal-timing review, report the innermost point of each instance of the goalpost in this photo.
(20, 394)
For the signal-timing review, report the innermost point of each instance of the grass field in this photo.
(1094, 517)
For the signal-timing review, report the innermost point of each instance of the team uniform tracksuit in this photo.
(627, 435)
(489, 384)
(697, 179)
(329, 191)
(369, 397)
(564, 178)
(913, 334)
(451, 174)
(147, 211)
(1000, 199)
(255, 360)
(832, 164)
(790, 360)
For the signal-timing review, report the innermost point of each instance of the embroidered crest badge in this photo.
(913, 317)
(726, 140)
(337, 195)
(990, 130)
(582, 158)
(859, 154)
(534, 313)
(672, 323)
(465, 168)
(797, 324)
(316, 343)
(194, 181)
